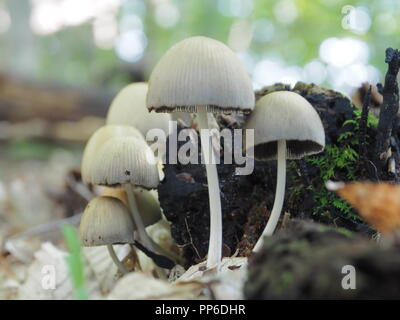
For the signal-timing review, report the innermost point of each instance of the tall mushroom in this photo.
(202, 75)
(286, 126)
(106, 221)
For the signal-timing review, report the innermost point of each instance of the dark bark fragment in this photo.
(389, 109)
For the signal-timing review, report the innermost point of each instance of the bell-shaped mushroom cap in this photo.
(125, 160)
(148, 205)
(97, 139)
(106, 220)
(129, 108)
(285, 115)
(196, 72)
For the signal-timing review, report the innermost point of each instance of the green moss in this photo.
(338, 161)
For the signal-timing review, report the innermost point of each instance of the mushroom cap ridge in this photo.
(96, 141)
(125, 160)
(200, 71)
(106, 220)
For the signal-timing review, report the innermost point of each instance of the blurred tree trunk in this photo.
(22, 100)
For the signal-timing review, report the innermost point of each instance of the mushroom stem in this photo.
(215, 243)
(114, 257)
(143, 236)
(279, 195)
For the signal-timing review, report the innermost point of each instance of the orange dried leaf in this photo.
(377, 203)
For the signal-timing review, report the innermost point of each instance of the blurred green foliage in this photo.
(293, 31)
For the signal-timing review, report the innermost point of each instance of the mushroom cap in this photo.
(129, 108)
(106, 220)
(123, 160)
(200, 72)
(146, 201)
(98, 138)
(285, 115)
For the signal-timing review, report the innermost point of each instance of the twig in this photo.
(389, 107)
(362, 134)
(191, 239)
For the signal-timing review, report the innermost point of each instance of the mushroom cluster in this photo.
(198, 76)
(118, 158)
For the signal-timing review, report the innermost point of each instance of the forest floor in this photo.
(319, 234)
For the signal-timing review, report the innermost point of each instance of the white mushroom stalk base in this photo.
(143, 236)
(215, 243)
(279, 195)
(114, 257)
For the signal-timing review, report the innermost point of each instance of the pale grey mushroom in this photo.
(286, 126)
(202, 75)
(96, 141)
(127, 161)
(129, 108)
(106, 221)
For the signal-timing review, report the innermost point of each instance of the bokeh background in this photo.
(108, 43)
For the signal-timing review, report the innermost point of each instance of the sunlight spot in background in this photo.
(342, 52)
(267, 72)
(240, 35)
(235, 8)
(130, 45)
(105, 30)
(263, 30)
(347, 79)
(5, 20)
(356, 19)
(285, 11)
(49, 16)
(132, 41)
(46, 17)
(166, 14)
(347, 60)
(314, 72)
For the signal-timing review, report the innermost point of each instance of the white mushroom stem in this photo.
(143, 236)
(279, 195)
(215, 243)
(114, 257)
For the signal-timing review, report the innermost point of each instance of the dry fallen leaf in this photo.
(377, 203)
(227, 284)
(49, 261)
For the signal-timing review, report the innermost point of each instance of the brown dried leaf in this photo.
(377, 203)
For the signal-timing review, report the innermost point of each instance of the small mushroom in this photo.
(127, 161)
(129, 108)
(99, 137)
(106, 221)
(149, 210)
(286, 126)
(202, 75)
